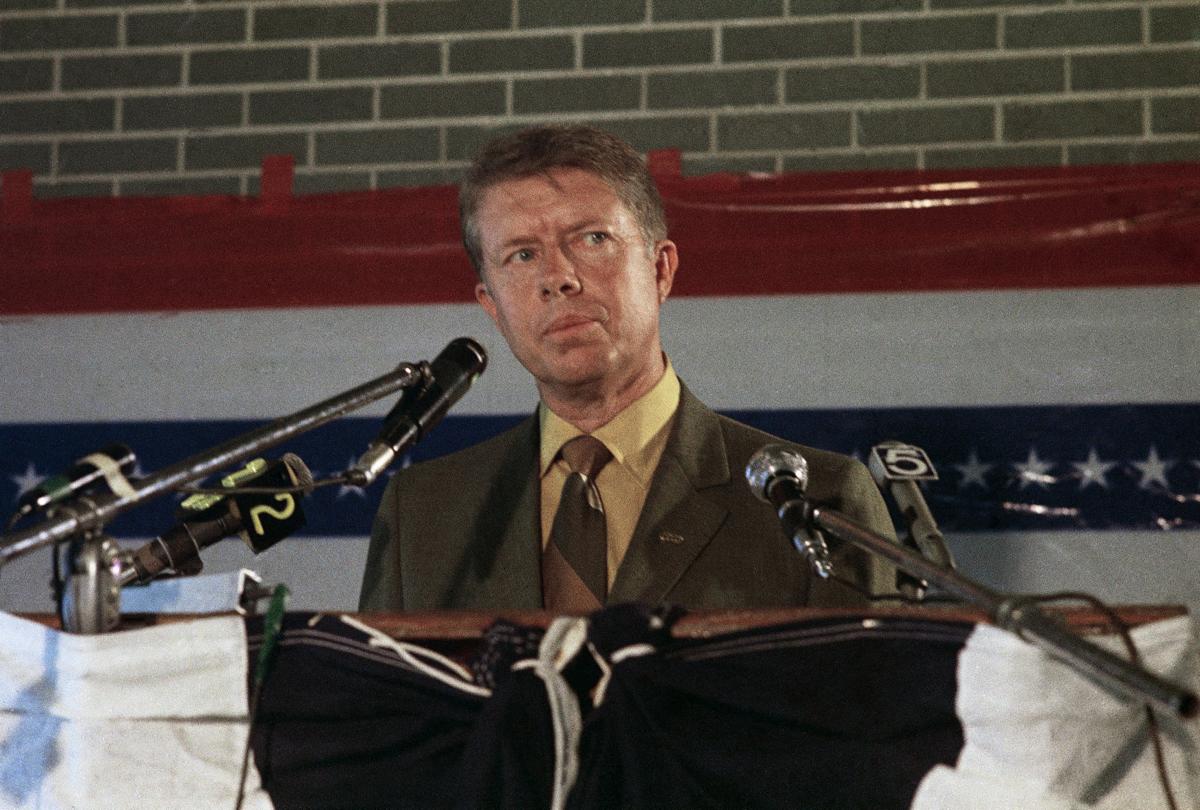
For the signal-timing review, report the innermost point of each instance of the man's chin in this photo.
(579, 369)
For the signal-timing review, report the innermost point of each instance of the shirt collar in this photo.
(626, 435)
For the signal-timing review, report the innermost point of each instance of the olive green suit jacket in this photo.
(464, 531)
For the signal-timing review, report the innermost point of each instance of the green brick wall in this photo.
(187, 96)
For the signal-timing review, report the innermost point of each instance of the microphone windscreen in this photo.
(771, 461)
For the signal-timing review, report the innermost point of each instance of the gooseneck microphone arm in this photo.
(94, 512)
(1014, 614)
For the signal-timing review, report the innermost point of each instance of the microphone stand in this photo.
(1026, 620)
(86, 516)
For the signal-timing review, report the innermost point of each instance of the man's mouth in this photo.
(566, 324)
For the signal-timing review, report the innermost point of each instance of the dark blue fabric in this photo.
(837, 713)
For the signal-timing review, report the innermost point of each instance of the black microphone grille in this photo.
(772, 460)
(466, 353)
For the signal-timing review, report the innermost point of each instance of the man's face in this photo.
(570, 282)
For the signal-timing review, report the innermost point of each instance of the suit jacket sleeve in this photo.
(853, 493)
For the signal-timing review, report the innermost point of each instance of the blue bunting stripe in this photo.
(1003, 468)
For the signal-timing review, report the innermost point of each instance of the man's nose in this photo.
(559, 276)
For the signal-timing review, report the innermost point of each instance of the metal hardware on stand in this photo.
(90, 601)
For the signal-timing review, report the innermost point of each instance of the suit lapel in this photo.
(678, 519)
(503, 551)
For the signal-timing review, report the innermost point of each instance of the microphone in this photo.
(112, 464)
(896, 468)
(778, 474)
(261, 519)
(451, 373)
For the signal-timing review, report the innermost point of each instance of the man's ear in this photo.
(485, 300)
(666, 262)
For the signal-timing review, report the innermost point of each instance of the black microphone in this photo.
(452, 373)
(260, 519)
(111, 464)
(778, 474)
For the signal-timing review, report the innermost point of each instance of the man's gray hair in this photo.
(539, 149)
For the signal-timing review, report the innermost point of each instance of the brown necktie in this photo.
(575, 562)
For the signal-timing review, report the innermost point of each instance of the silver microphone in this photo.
(778, 474)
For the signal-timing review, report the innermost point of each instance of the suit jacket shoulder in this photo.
(460, 530)
(704, 541)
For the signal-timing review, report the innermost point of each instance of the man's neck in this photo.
(594, 405)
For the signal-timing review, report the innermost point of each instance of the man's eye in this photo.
(596, 237)
(522, 255)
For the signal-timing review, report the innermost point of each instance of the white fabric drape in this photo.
(1041, 737)
(147, 718)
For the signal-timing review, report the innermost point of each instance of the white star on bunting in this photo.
(1153, 469)
(27, 481)
(1093, 471)
(972, 471)
(1034, 471)
(345, 490)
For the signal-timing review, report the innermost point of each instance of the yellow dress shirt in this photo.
(636, 437)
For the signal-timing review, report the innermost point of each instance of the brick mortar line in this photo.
(183, 172)
(1100, 49)
(1121, 93)
(1041, 11)
(183, 91)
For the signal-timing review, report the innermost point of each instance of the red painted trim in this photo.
(16, 196)
(794, 234)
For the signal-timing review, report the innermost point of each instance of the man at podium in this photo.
(622, 486)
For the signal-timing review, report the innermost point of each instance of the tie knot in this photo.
(586, 455)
